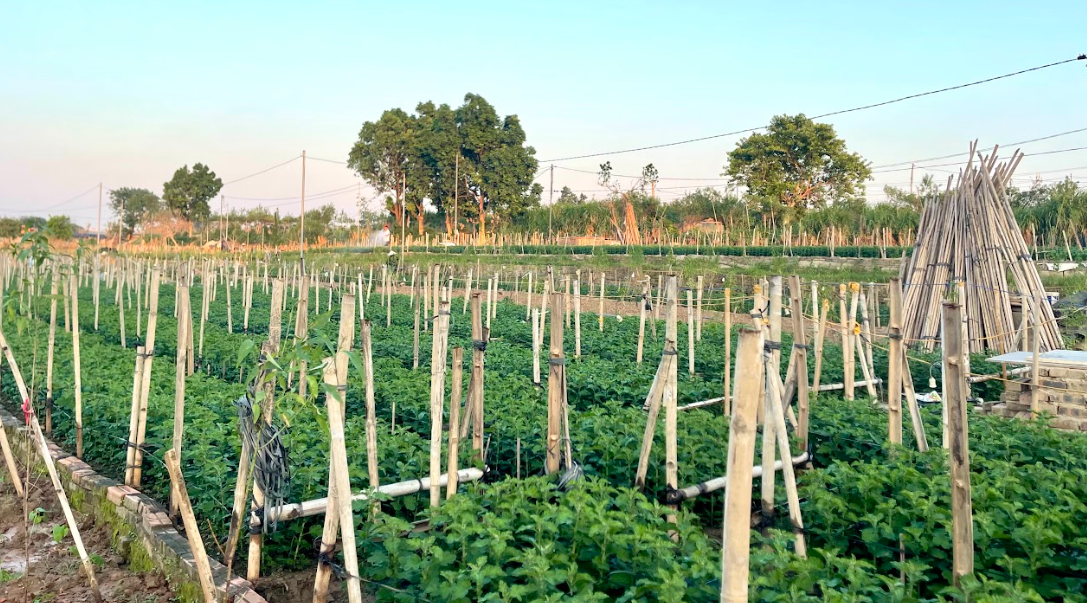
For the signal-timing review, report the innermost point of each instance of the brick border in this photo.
(136, 519)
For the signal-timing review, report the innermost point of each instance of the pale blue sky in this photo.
(124, 93)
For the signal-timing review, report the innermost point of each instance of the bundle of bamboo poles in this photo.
(969, 245)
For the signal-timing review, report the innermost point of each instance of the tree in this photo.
(435, 162)
(926, 190)
(10, 228)
(188, 192)
(799, 163)
(498, 168)
(59, 227)
(567, 196)
(133, 205)
(628, 234)
(381, 155)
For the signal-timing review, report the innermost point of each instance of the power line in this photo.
(959, 163)
(830, 114)
(279, 165)
(1010, 144)
(69, 200)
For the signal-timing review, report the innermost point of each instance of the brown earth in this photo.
(54, 572)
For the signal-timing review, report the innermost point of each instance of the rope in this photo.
(271, 469)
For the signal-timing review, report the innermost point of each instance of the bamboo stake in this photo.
(454, 421)
(962, 530)
(577, 317)
(184, 315)
(690, 335)
(51, 349)
(145, 386)
(556, 390)
(475, 381)
(267, 406)
(736, 532)
(335, 373)
(776, 414)
(437, 400)
(727, 385)
(894, 364)
(668, 397)
(800, 354)
(536, 337)
(600, 315)
(192, 529)
(641, 325)
(77, 372)
(698, 311)
(848, 372)
(820, 337)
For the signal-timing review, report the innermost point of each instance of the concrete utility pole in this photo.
(551, 203)
(456, 197)
(302, 219)
(98, 231)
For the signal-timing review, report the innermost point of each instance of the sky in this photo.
(124, 93)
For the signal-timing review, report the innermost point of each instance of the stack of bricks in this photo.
(1062, 394)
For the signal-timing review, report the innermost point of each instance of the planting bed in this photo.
(878, 519)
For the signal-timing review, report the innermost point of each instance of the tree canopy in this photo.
(133, 205)
(188, 192)
(799, 163)
(419, 157)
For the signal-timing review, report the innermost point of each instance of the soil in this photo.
(54, 572)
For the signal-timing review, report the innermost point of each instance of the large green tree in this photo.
(59, 227)
(382, 153)
(133, 205)
(799, 163)
(498, 168)
(189, 191)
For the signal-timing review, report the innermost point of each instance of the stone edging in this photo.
(135, 518)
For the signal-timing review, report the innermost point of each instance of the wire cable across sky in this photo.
(820, 116)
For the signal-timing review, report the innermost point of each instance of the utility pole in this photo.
(911, 178)
(404, 216)
(120, 223)
(98, 233)
(222, 204)
(302, 219)
(456, 197)
(551, 204)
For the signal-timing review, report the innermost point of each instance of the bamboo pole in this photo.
(577, 316)
(76, 370)
(894, 364)
(536, 337)
(51, 348)
(800, 354)
(454, 421)
(339, 493)
(698, 311)
(267, 407)
(184, 315)
(437, 399)
(556, 390)
(371, 405)
(962, 530)
(475, 382)
(641, 324)
(820, 337)
(690, 335)
(192, 529)
(145, 386)
(668, 399)
(773, 375)
(600, 314)
(777, 415)
(727, 385)
(848, 372)
(736, 532)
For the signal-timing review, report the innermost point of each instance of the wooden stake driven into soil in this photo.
(43, 450)
(437, 399)
(800, 354)
(77, 372)
(184, 317)
(736, 532)
(51, 349)
(267, 407)
(962, 518)
(556, 389)
(726, 400)
(192, 529)
(339, 489)
(371, 407)
(895, 359)
(454, 420)
(145, 377)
